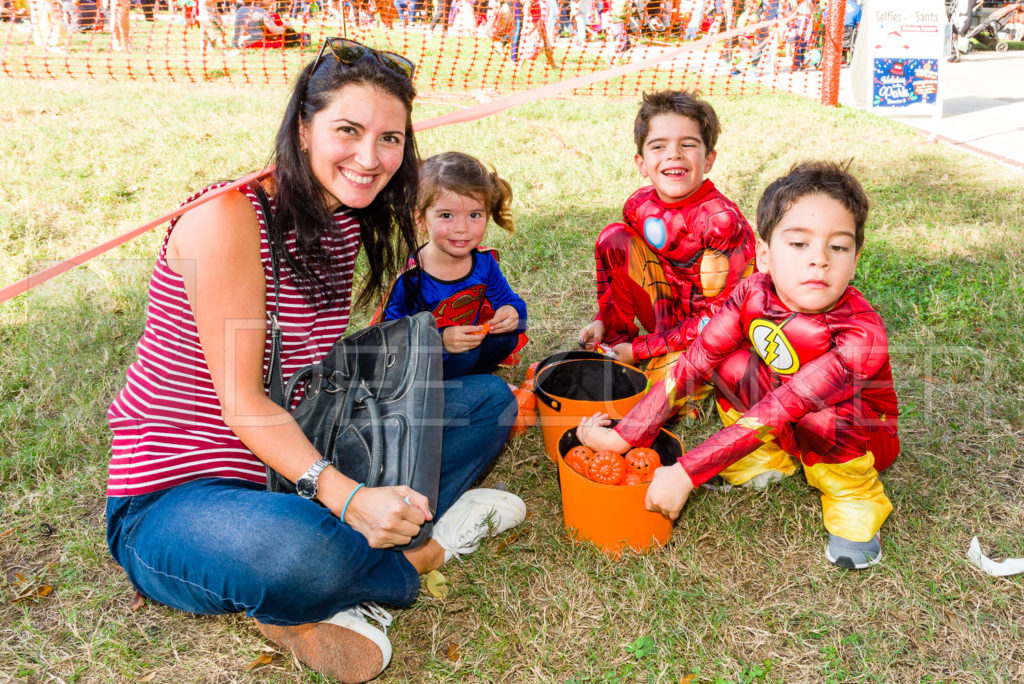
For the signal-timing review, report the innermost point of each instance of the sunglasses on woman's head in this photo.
(348, 52)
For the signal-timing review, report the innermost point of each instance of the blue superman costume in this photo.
(471, 300)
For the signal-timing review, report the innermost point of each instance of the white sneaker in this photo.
(479, 513)
(357, 619)
(345, 647)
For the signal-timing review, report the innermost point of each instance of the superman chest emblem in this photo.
(772, 345)
(462, 307)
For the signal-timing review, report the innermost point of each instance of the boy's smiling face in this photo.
(812, 255)
(674, 157)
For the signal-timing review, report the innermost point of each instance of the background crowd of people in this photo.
(523, 29)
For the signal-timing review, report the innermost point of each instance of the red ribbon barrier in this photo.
(41, 277)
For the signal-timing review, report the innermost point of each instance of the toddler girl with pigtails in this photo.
(481, 319)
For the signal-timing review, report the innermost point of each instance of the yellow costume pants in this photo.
(853, 502)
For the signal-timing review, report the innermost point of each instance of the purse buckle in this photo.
(329, 385)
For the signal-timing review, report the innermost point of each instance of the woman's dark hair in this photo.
(387, 228)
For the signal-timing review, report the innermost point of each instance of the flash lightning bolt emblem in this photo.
(772, 346)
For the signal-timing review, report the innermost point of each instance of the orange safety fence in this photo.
(458, 116)
(481, 46)
(629, 73)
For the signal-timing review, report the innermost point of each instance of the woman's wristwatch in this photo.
(305, 486)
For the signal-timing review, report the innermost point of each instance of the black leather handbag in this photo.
(374, 406)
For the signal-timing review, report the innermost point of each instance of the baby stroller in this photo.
(989, 30)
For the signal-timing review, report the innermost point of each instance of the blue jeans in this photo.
(484, 359)
(405, 10)
(220, 545)
(517, 28)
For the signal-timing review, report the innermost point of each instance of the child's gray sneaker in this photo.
(717, 484)
(477, 514)
(757, 483)
(853, 555)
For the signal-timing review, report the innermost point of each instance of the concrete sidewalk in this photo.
(983, 107)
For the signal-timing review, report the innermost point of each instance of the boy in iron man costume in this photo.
(683, 245)
(800, 365)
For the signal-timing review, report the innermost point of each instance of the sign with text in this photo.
(905, 43)
(904, 82)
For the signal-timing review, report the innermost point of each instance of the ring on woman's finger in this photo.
(406, 500)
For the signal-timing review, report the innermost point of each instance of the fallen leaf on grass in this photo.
(452, 652)
(920, 647)
(147, 678)
(955, 621)
(437, 584)
(7, 532)
(687, 679)
(35, 592)
(510, 539)
(137, 602)
(260, 661)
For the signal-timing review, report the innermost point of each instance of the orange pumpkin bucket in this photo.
(576, 384)
(613, 517)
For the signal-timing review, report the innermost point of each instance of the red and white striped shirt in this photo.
(167, 421)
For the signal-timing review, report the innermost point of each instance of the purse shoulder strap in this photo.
(274, 378)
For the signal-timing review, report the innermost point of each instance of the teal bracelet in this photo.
(344, 510)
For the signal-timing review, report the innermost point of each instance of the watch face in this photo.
(305, 488)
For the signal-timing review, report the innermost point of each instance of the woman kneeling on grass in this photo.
(188, 514)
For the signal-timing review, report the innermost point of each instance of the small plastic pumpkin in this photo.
(630, 479)
(578, 458)
(607, 468)
(643, 461)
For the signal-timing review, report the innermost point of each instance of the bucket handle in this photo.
(550, 401)
(543, 396)
(570, 355)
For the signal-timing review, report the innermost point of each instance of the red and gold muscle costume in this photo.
(815, 387)
(670, 267)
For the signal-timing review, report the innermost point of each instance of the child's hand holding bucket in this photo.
(668, 491)
(594, 433)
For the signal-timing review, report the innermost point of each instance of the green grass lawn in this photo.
(742, 593)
